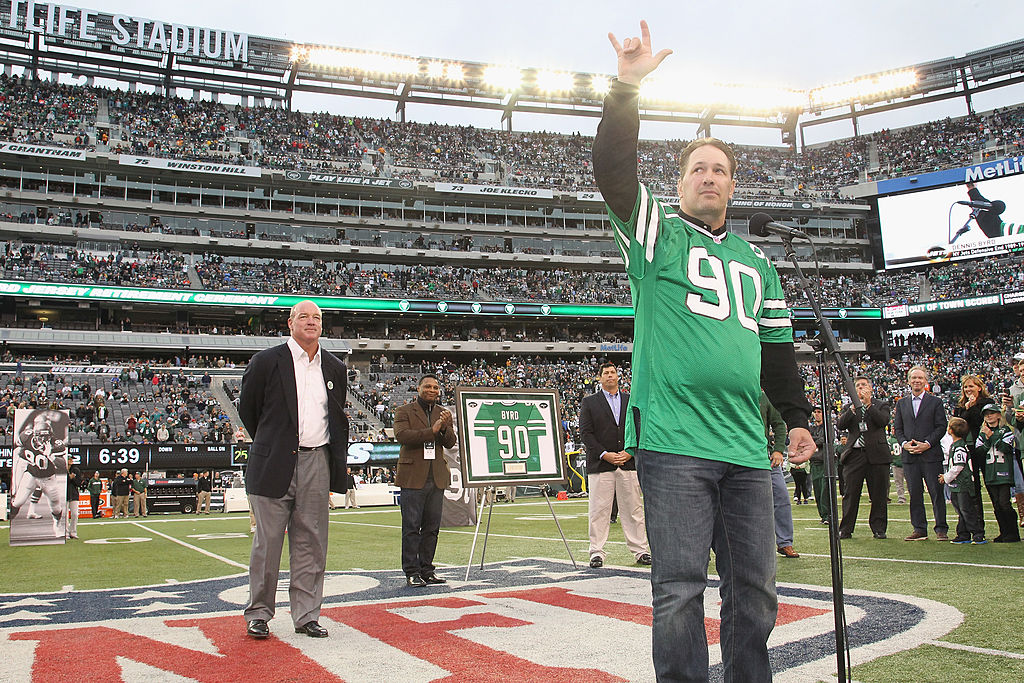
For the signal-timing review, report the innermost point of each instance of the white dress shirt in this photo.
(312, 394)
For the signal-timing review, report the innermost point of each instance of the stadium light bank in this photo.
(660, 91)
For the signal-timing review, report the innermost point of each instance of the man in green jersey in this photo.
(711, 328)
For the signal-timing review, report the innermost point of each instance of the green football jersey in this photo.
(512, 431)
(998, 451)
(958, 455)
(704, 303)
(897, 451)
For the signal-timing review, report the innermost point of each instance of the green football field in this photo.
(986, 582)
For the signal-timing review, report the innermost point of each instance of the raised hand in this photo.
(636, 58)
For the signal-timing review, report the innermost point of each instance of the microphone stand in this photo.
(825, 343)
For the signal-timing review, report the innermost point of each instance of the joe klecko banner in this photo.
(39, 477)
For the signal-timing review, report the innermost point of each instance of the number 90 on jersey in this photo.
(509, 437)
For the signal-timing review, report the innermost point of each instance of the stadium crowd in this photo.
(154, 125)
(140, 404)
(133, 266)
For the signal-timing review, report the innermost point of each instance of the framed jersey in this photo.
(509, 437)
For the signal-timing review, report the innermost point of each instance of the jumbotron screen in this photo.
(953, 223)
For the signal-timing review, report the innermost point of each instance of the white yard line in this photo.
(192, 547)
(936, 562)
(976, 650)
(398, 527)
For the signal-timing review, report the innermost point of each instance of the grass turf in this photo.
(991, 597)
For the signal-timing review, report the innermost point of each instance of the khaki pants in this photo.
(350, 498)
(623, 486)
(140, 504)
(204, 500)
(72, 530)
(901, 495)
(120, 506)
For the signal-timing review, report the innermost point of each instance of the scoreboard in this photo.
(150, 456)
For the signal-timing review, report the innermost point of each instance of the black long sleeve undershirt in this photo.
(615, 149)
(615, 171)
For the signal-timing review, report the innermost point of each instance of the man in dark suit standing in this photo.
(920, 424)
(611, 471)
(867, 459)
(423, 428)
(292, 403)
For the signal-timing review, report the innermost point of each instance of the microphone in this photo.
(996, 207)
(762, 225)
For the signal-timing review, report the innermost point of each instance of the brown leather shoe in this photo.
(787, 551)
(916, 536)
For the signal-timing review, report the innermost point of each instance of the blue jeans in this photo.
(692, 506)
(783, 509)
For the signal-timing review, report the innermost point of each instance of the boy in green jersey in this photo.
(959, 477)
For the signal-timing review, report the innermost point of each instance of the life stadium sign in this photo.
(124, 31)
(518, 620)
(190, 166)
(42, 151)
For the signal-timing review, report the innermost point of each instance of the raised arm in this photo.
(636, 57)
(615, 151)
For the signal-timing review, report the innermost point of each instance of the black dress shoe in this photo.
(433, 579)
(644, 558)
(843, 535)
(880, 534)
(415, 580)
(312, 629)
(596, 562)
(257, 628)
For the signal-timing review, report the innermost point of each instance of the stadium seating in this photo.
(153, 125)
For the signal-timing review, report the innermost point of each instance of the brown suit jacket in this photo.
(412, 430)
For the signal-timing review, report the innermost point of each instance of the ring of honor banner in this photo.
(39, 477)
(459, 507)
(509, 437)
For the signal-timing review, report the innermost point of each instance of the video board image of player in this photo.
(515, 436)
(984, 213)
(954, 223)
(39, 476)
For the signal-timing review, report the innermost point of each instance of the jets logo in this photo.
(938, 254)
(292, 175)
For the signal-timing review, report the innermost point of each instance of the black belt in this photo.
(303, 449)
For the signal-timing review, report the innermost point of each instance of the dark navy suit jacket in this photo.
(929, 425)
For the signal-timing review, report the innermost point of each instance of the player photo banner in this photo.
(39, 477)
(509, 437)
